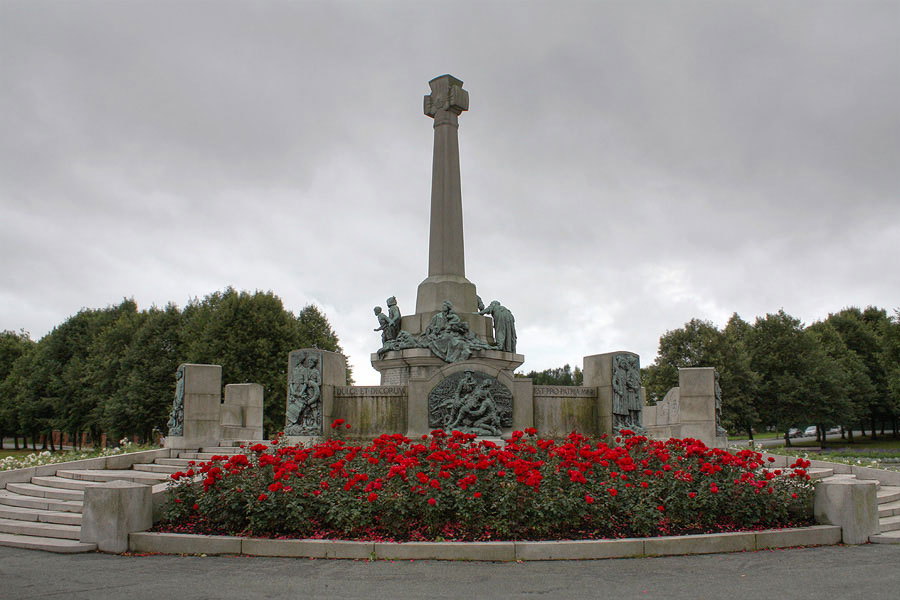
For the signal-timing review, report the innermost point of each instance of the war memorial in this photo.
(448, 366)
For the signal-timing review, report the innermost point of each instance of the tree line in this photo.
(113, 369)
(840, 371)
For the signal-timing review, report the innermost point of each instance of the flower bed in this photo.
(453, 487)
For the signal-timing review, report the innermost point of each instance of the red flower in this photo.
(692, 494)
(660, 508)
(612, 491)
(196, 506)
(432, 501)
(372, 497)
(478, 495)
(337, 423)
(262, 497)
(714, 488)
(531, 431)
(588, 498)
(347, 425)
(501, 473)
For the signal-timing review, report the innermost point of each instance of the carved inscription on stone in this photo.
(551, 391)
(626, 393)
(375, 390)
(471, 402)
(176, 417)
(304, 407)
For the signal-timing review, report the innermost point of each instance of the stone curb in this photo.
(173, 543)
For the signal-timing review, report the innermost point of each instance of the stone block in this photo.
(523, 402)
(700, 544)
(114, 510)
(850, 503)
(487, 551)
(820, 535)
(579, 549)
(371, 410)
(177, 543)
(697, 381)
(560, 410)
(697, 408)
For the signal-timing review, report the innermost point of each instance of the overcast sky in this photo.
(626, 166)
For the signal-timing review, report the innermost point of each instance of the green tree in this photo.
(798, 380)
(13, 347)
(697, 344)
(559, 376)
(738, 380)
(250, 336)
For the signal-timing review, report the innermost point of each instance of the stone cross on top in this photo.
(446, 256)
(447, 100)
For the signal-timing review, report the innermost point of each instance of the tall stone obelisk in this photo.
(446, 256)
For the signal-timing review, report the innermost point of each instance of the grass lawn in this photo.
(11, 452)
(763, 435)
(883, 447)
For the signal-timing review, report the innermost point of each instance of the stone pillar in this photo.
(697, 405)
(850, 503)
(242, 412)
(113, 510)
(597, 372)
(616, 375)
(446, 257)
(312, 376)
(202, 408)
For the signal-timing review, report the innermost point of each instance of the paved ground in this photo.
(871, 572)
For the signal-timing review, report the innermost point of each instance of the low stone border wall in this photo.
(883, 475)
(116, 461)
(175, 543)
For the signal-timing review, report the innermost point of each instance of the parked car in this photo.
(835, 429)
(810, 431)
(794, 432)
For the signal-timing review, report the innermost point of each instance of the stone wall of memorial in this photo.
(371, 410)
(559, 410)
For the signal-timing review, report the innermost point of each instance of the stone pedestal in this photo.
(616, 376)
(113, 510)
(242, 412)
(202, 408)
(850, 503)
(697, 405)
(398, 367)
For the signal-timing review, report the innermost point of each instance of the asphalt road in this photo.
(871, 571)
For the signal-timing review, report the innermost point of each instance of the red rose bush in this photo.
(452, 486)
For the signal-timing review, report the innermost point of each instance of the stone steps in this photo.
(184, 463)
(64, 483)
(21, 513)
(888, 493)
(114, 475)
(45, 514)
(40, 491)
(9, 498)
(47, 544)
(890, 537)
(889, 524)
(53, 530)
(889, 509)
(888, 515)
(152, 468)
